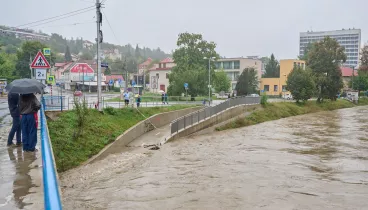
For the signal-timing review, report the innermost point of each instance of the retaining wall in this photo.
(216, 119)
(139, 129)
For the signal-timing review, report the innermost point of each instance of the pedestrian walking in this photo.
(126, 98)
(29, 106)
(13, 103)
(163, 98)
(138, 101)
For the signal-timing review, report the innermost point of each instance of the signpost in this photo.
(40, 62)
(106, 65)
(186, 90)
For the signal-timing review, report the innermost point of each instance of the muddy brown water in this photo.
(317, 161)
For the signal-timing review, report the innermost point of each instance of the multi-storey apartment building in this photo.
(235, 66)
(350, 39)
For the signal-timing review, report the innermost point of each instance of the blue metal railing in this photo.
(50, 181)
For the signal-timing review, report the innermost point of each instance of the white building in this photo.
(159, 75)
(235, 66)
(350, 39)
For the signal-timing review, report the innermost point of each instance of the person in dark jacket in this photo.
(13, 103)
(138, 100)
(29, 106)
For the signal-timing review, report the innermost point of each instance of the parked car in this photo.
(287, 96)
(46, 90)
(254, 95)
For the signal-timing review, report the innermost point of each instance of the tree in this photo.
(247, 82)
(325, 58)
(26, 53)
(86, 55)
(221, 81)
(190, 66)
(7, 66)
(306, 51)
(300, 84)
(364, 54)
(137, 53)
(107, 71)
(68, 56)
(272, 68)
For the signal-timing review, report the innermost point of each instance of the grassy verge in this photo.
(275, 111)
(98, 131)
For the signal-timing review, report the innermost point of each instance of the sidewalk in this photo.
(155, 136)
(20, 173)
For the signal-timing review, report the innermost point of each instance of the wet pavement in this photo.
(317, 161)
(20, 173)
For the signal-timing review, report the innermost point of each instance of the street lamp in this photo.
(209, 77)
(352, 78)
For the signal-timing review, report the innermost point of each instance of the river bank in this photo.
(275, 111)
(73, 146)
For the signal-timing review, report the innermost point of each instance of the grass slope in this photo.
(275, 111)
(99, 130)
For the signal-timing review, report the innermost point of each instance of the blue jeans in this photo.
(29, 132)
(16, 129)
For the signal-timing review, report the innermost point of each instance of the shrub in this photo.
(264, 99)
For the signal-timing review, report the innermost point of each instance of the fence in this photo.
(50, 182)
(195, 117)
(60, 103)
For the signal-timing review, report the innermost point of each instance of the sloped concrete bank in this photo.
(141, 128)
(223, 116)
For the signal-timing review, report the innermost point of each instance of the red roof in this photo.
(114, 77)
(167, 60)
(60, 64)
(348, 72)
(145, 64)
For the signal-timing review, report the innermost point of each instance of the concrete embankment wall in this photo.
(139, 129)
(214, 120)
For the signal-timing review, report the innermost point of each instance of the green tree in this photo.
(7, 66)
(137, 53)
(190, 66)
(272, 68)
(300, 84)
(68, 56)
(107, 71)
(26, 54)
(325, 58)
(247, 82)
(306, 51)
(221, 81)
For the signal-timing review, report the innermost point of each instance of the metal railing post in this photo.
(184, 122)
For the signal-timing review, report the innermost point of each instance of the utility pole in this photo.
(98, 41)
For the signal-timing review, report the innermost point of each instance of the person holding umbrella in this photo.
(13, 104)
(28, 107)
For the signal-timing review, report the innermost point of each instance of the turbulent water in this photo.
(317, 161)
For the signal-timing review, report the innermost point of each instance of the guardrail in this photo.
(195, 117)
(60, 103)
(50, 181)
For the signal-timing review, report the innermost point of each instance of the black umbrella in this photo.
(25, 86)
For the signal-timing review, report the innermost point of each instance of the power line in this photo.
(60, 18)
(71, 24)
(111, 28)
(55, 16)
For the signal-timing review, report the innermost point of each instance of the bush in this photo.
(110, 110)
(264, 99)
(81, 110)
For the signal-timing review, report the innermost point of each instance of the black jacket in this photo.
(29, 104)
(13, 103)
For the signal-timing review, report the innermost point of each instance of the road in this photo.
(316, 161)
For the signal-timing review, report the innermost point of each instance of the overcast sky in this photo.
(239, 27)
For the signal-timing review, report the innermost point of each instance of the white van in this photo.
(287, 96)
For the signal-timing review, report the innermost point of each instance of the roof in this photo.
(145, 63)
(167, 60)
(60, 64)
(114, 77)
(348, 72)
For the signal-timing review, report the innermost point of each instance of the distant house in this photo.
(159, 75)
(87, 44)
(347, 74)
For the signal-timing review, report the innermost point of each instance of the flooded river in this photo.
(317, 161)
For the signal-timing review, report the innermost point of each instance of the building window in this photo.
(236, 76)
(303, 67)
(167, 75)
(275, 88)
(266, 88)
(159, 65)
(236, 64)
(230, 75)
(157, 75)
(218, 65)
(227, 64)
(294, 64)
(164, 65)
(284, 88)
(233, 86)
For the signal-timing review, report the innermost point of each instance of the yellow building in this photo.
(271, 86)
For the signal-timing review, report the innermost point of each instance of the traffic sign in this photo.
(51, 80)
(133, 83)
(119, 81)
(41, 74)
(40, 62)
(186, 85)
(106, 65)
(46, 51)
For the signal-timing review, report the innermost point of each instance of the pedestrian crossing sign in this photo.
(40, 62)
(51, 80)
(46, 51)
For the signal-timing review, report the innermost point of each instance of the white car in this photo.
(254, 95)
(46, 90)
(287, 96)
